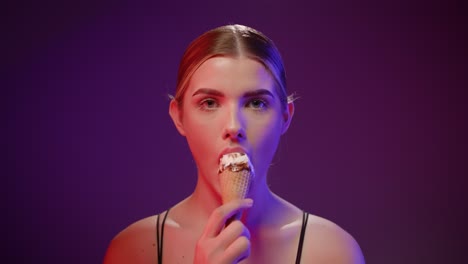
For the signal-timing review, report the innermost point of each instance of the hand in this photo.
(224, 245)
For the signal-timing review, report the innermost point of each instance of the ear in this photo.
(175, 113)
(287, 116)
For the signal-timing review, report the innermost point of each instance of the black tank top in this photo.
(160, 236)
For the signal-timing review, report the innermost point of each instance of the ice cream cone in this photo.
(234, 184)
(235, 176)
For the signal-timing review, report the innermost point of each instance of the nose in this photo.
(234, 126)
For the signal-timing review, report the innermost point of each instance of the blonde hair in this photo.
(232, 41)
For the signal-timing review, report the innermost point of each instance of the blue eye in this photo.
(257, 104)
(208, 104)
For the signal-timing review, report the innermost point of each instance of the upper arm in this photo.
(115, 253)
(326, 242)
(135, 244)
(347, 249)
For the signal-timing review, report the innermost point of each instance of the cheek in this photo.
(265, 138)
(201, 135)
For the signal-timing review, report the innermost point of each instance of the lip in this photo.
(232, 150)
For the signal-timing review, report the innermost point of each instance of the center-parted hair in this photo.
(232, 41)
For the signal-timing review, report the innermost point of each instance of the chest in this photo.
(278, 246)
(273, 251)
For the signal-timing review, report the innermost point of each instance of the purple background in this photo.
(377, 143)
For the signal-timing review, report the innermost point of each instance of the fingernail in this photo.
(249, 202)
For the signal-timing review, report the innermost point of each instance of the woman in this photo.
(231, 97)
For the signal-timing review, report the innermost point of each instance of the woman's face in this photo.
(231, 105)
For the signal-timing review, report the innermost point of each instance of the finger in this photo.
(233, 231)
(238, 250)
(236, 216)
(221, 214)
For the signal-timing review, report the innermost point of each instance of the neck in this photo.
(205, 199)
(266, 208)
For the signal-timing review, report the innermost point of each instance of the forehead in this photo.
(230, 74)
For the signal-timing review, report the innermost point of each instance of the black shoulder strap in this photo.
(160, 239)
(305, 218)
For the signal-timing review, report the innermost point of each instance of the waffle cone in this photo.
(234, 184)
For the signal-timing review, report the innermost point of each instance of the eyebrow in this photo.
(259, 92)
(214, 92)
(208, 91)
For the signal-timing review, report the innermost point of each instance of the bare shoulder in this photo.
(134, 244)
(326, 242)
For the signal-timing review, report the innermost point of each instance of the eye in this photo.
(259, 104)
(208, 104)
